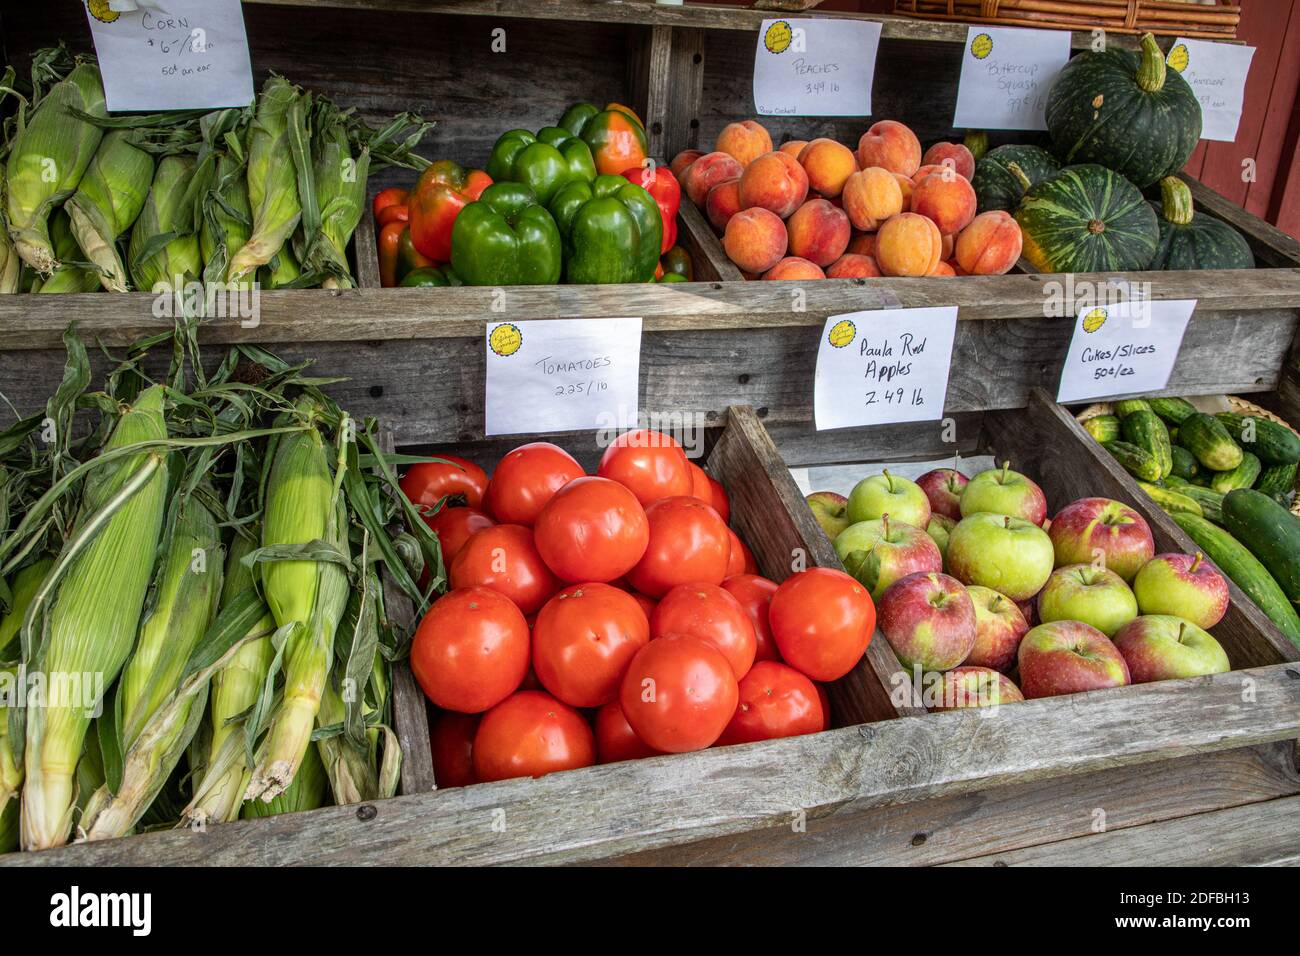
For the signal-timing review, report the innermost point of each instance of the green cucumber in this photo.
(1130, 405)
(1243, 476)
(1278, 481)
(1185, 464)
(1138, 462)
(1176, 481)
(1171, 501)
(1273, 443)
(1211, 501)
(1271, 533)
(1145, 429)
(1104, 428)
(1208, 439)
(1172, 410)
(1235, 560)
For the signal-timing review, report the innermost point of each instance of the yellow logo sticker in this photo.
(100, 11)
(842, 333)
(981, 46)
(506, 339)
(1094, 320)
(778, 37)
(1179, 57)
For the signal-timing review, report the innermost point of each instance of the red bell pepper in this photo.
(663, 187)
(443, 190)
(392, 196)
(390, 238)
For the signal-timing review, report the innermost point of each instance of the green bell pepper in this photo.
(430, 277)
(506, 238)
(577, 116)
(611, 230)
(545, 163)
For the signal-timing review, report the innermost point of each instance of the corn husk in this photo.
(282, 272)
(70, 275)
(338, 185)
(227, 218)
(107, 202)
(279, 124)
(11, 266)
(25, 585)
(102, 576)
(164, 250)
(307, 792)
(50, 153)
(11, 766)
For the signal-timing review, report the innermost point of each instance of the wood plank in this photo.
(1003, 819)
(1072, 465)
(365, 248)
(585, 815)
(1259, 834)
(801, 445)
(686, 91)
(650, 80)
(712, 263)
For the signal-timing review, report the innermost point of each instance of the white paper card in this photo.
(172, 54)
(1217, 75)
(1127, 348)
(882, 366)
(1006, 73)
(558, 375)
(815, 67)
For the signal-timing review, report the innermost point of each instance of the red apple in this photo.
(999, 627)
(1066, 657)
(1102, 531)
(1163, 647)
(1184, 585)
(1004, 492)
(929, 621)
(943, 486)
(830, 510)
(968, 686)
(1029, 610)
(880, 552)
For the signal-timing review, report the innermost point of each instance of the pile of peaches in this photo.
(817, 210)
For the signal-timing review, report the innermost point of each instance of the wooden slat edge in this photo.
(696, 236)
(365, 248)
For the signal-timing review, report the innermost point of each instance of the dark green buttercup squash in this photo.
(997, 187)
(1126, 111)
(1087, 218)
(1191, 239)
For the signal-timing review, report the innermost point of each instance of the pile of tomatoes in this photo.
(606, 617)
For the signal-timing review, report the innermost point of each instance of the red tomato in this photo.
(615, 738)
(429, 482)
(689, 544)
(651, 464)
(755, 594)
(471, 650)
(392, 196)
(775, 701)
(822, 621)
(453, 526)
(583, 641)
(826, 706)
(700, 483)
(647, 604)
(593, 529)
(679, 694)
(531, 734)
(505, 559)
(735, 555)
(526, 478)
(721, 503)
(452, 739)
(394, 213)
(711, 614)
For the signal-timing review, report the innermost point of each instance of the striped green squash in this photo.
(1193, 240)
(997, 186)
(1087, 219)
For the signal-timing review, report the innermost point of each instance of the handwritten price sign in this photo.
(1005, 76)
(806, 67)
(1126, 348)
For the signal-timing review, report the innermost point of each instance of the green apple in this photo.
(1093, 595)
(880, 552)
(1184, 585)
(830, 510)
(1004, 492)
(887, 494)
(1161, 647)
(939, 528)
(1009, 555)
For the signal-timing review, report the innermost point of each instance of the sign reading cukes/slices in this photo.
(1006, 73)
(171, 54)
(1216, 73)
(884, 366)
(1127, 348)
(822, 67)
(559, 375)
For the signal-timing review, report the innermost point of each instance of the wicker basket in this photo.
(1236, 404)
(1166, 17)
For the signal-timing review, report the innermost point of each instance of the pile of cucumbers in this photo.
(1227, 480)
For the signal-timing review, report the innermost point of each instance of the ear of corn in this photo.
(307, 792)
(11, 266)
(102, 575)
(282, 271)
(164, 250)
(107, 202)
(339, 181)
(24, 587)
(11, 765)
(69, 275)
(272, 178)
(227, 217)
(50, 153)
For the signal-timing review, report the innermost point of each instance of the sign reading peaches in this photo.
(883, 366)
(1005, 75)
(1124, 348)
(821, 67)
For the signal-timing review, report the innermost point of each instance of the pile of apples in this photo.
(987, 601)
(818, 209)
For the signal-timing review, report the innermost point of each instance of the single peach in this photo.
(949, 200)
(990, 245)
(775, 182)
(863, 244)
(908, 245)
(853, 266)
(828, 164)
(818, 232)
(906, 187)
(722, 203)
(746, 141)
(871, 196)
(954, 154)
(755, 239)
(942, 268)
(949, 244)
(927, 170)
(706, 172)
(793, 267)
(793, 146)
(892, 145)
(682, 160)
